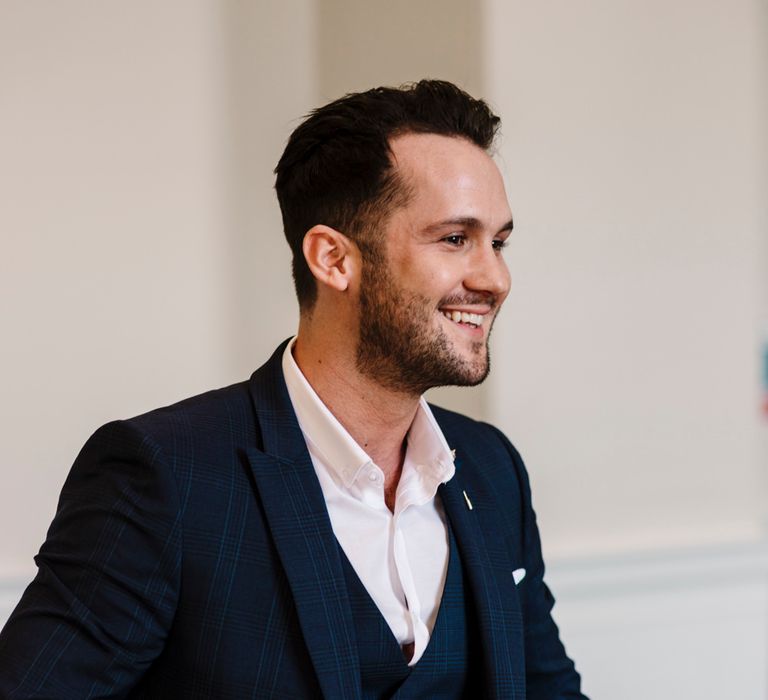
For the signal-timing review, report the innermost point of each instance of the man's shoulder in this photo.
(201, 426)
(217, 412)
(207, 408)
(489, 467)
(212, 427)
(467, 429)
(449, 417)
(489, 447)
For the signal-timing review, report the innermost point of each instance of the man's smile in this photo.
(463, 317)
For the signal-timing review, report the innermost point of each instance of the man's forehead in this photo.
(416, 147)
(448, 168)
(419, 158)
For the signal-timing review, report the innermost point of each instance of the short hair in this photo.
(337, 170)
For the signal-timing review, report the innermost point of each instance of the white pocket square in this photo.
(518, 575)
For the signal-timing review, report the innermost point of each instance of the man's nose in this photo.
(488, 272)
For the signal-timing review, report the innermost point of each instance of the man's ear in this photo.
(330, 256)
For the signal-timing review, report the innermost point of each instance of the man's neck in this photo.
(377, 418)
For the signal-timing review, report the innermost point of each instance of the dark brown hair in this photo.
(336, 168)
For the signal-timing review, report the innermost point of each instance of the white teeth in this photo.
(464, 317)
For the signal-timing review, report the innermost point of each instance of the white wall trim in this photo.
(684, 623)
(11, 588)
(625, 574)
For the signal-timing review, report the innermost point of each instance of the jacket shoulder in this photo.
(203, 417)
(467, 429)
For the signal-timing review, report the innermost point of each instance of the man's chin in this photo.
(469, 372)
(474, 379)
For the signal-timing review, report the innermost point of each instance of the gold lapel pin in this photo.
(466, 498)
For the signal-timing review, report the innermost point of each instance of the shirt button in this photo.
(372, 476)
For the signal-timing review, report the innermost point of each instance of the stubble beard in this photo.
(399, 344)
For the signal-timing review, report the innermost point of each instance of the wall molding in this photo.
(672, 613)
(662, 569)
(11, 588)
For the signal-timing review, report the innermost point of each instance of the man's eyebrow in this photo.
(508, 226)
(465, 222)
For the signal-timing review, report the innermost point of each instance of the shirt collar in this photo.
(427, 448)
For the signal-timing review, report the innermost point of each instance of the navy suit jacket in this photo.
(192, 556)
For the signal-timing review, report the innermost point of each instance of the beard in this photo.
(399, 344)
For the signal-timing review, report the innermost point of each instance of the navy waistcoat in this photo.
(451, 665)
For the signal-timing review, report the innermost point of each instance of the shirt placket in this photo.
(418, 629)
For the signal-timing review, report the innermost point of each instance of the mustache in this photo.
(470, 299)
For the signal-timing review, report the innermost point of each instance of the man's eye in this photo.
(499, 245)
(456, 239)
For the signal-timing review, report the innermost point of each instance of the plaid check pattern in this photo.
(191, 556)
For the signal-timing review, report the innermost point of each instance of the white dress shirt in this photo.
(401, 558)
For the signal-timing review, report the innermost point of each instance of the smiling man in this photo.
(441, 260)
(320, 530)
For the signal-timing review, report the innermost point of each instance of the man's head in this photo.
(427, 304)
(337, 168)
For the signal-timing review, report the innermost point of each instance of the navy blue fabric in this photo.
(191, 556)
(450, 666)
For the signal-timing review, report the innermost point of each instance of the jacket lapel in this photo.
(300, 526)
(492, 586)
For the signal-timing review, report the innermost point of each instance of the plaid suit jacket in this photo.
(192, 556)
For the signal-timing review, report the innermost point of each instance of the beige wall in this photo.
(368, 43)
(142, 259)
(636, 151)
(270, 51)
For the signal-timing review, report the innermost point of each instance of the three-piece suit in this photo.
(192, 556)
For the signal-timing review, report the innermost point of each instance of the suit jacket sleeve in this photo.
(98, 611)
(550, 673)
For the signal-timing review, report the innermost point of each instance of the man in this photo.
(320, 531)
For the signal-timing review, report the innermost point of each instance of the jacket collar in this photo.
(298, 518)
(489, 573)
(301, 529)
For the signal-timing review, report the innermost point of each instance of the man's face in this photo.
(430, 293)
